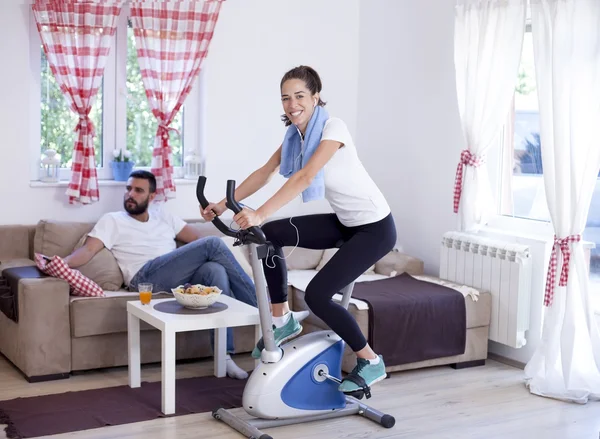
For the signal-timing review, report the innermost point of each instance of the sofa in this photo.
(58, 334)
(304, 264)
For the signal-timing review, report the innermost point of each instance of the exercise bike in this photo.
(298, 381)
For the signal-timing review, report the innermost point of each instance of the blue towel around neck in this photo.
(294, 156)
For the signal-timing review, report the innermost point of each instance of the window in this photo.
(58, 120)
(522, 186)
(141, 123)
(121, 113)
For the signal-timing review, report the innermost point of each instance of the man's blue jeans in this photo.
(206, 261)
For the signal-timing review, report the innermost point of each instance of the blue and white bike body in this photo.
(289, 387)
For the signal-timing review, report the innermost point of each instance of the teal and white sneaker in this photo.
(291, 329)
(363, 376)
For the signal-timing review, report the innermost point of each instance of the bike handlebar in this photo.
(252, 234)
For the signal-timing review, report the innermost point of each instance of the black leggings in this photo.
(361, 247)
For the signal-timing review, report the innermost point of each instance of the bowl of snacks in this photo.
(196, 296)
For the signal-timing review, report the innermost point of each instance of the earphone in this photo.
(268, 249)
(284, 256)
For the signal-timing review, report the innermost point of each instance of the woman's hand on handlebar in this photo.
(212, 211)
(248, 218)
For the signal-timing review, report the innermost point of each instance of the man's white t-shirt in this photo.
(132, 242)
(352, 194)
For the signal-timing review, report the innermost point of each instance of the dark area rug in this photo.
(83, 410)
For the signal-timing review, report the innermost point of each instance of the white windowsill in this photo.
(101, 183)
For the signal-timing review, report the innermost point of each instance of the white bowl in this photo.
(196, 301)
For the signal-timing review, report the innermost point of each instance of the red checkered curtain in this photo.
(172, 39)
(76, 36)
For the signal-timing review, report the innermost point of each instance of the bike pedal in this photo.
(361, 393)
(358, 394)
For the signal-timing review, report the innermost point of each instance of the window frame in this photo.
(517, 225)
(114, 122)
(500, 221)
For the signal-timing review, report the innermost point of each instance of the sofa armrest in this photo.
(400, 263)
(11, 263)
(40, 344)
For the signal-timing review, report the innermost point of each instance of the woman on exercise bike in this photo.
(319, 159)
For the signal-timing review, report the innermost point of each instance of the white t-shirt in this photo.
(352, 194)
(132, 242)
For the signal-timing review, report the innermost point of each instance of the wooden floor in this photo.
(479, 403)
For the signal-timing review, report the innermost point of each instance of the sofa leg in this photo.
(466, 364)
(42, 378)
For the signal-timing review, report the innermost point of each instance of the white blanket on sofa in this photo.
(301, 278)
(463, 289)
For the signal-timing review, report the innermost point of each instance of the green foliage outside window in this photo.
(58, 121)
(141, 123)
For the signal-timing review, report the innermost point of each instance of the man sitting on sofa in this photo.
(142, 240)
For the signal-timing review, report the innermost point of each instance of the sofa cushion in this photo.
(16, 242)
(300, 258)
(102, 268)
(205, 228)
(328, 254)
(241, 254)
(106, 315)
(400, 263)
(58, 237)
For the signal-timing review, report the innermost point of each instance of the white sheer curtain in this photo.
(566, 38)
(488, 39)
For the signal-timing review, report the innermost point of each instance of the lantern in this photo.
(194, 167)
(51, 166)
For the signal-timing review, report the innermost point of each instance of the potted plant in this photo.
(121, 165)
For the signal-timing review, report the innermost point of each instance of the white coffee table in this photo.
(237, 314)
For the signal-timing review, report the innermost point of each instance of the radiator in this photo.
(501, 268)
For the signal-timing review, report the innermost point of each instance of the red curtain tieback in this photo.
(564, 245)
(467, 158)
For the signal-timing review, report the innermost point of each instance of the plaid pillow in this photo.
(80, 285)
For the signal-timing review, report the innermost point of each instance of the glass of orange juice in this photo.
(145, 290)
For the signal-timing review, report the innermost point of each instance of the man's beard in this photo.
(136, 209)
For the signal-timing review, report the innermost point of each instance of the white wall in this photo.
(254, 44)
(389, 74)
(409, 133)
